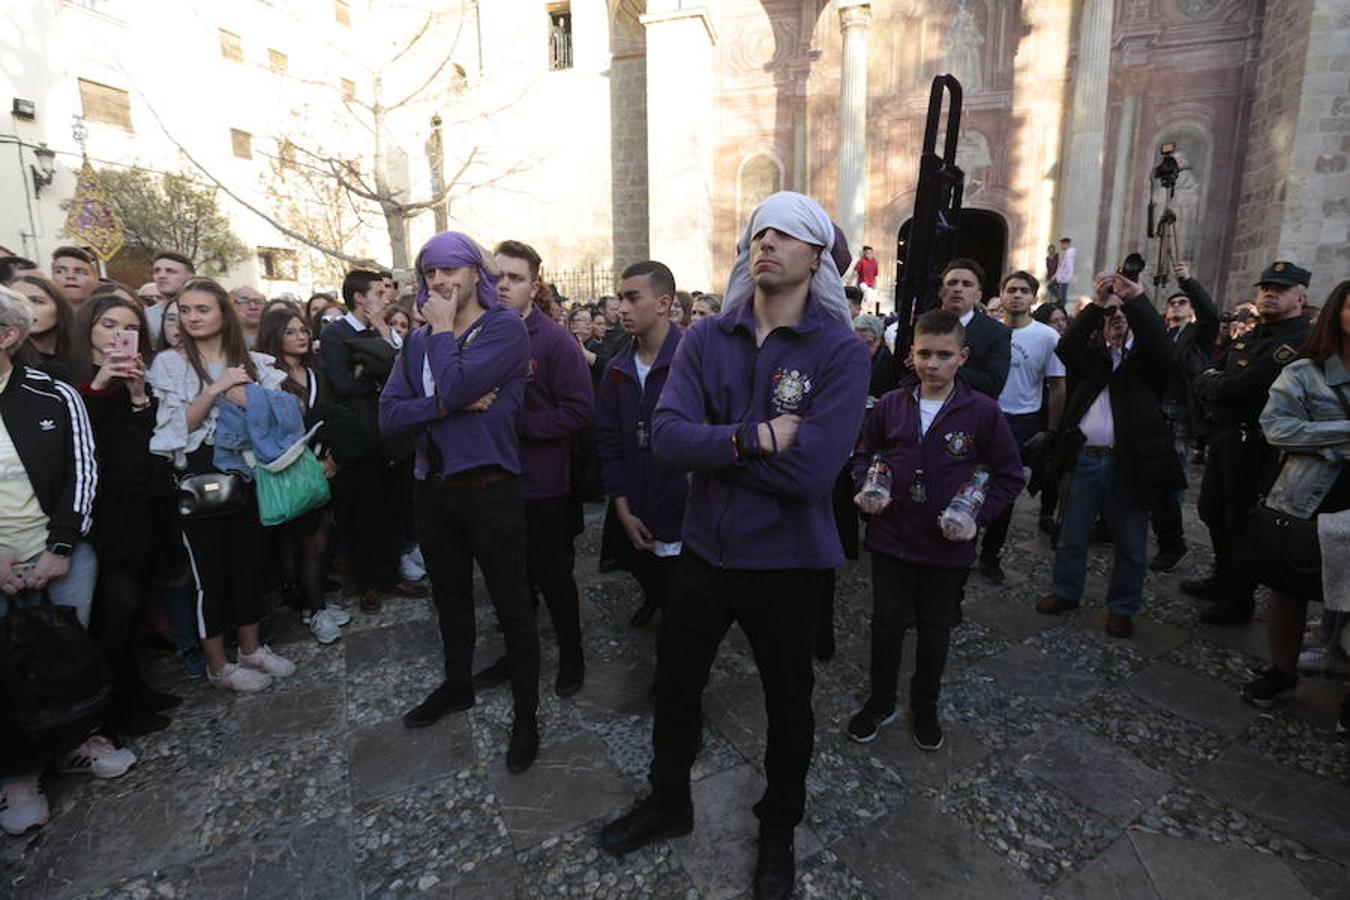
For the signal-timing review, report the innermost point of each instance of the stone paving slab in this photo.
(387, 758)
(1308, 809)
(1183, 870)
(1117, 874)
(915, 851)
(571, 783)
(1048, 680)
(1095, 773)
(1215, 706)
(719, 855)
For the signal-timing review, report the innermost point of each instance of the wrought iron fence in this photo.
(585, 284)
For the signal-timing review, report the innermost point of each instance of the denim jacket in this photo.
(1304, 419)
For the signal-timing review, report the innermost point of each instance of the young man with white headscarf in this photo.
(762, 403)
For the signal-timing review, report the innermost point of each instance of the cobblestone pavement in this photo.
(1075, 766)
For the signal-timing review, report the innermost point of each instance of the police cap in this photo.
(1285, 274)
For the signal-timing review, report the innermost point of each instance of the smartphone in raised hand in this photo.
(126, 343)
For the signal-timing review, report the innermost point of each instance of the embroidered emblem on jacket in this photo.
(47, 424)
(959, 444)
(790, 388)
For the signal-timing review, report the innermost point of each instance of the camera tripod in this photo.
(1165, 232)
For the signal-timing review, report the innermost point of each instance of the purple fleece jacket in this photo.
(493, 353)
(967, 432)
(763, 511)
(655, 491)
(559, 402)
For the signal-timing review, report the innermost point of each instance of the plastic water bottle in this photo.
(960, 514)
(877, 484)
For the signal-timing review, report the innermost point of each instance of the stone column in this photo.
(681, 124)
(1119, 234)
(854, 17)
(1080, 182)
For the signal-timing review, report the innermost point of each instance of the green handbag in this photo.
(290, 486)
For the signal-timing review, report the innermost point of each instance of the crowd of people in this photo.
(176, 458)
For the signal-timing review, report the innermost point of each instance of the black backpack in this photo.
(52, 676)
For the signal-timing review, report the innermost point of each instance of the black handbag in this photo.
(1282, 551)
(52, 677)
(210, 494)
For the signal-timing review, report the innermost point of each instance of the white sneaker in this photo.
(340, 616)
(264, 660)
(98, 757)
(411, 568)
(23, 805)
(324, 627)
(1318, 659)
(239, 678)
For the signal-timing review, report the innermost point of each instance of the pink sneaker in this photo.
(23, 805)
(98, 757)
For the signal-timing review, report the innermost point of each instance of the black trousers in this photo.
(365, 503)
(777, 610)
(655, 574)
(549, 558)
(455, 527)
(1234, 473)
(226, 555)
(1024, 427)
(926, 598)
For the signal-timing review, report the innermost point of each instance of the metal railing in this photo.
(586, 283)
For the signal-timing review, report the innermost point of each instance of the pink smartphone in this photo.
(126, 343)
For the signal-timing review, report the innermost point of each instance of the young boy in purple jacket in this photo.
(459, 385)
(933, 435)
(559, 402)
(763, 404)
(648, 494)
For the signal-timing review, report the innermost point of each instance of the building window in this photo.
(108, 105)
(348, 89)
(559, 36)
(342, 11)
(231, 46)
(277, 61)
(242, 143)
(278, 264)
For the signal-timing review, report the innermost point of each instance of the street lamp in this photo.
(45, 170)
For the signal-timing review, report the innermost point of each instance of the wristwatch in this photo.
(61, 549)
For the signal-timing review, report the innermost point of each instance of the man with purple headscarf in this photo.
(762, 403)
(459, 386)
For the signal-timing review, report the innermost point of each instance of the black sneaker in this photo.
(1168, 558)
(1207, 588)
(438, 703)
(1343, 723)
(643, 617)
(1223, 613)
(571, 677)
(647, 822)
(1270, 687)
(497, 673)
(825, 648)
(524, 746)
(992, 571)
(864, 726)
(775, 867)
(927, 731)
(1046, 524)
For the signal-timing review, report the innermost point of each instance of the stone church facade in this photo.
(1065, 107)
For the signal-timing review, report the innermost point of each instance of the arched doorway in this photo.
(983, 237)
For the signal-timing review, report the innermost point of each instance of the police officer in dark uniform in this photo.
(1234, 395)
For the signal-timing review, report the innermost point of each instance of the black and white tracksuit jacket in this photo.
(47, 422)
